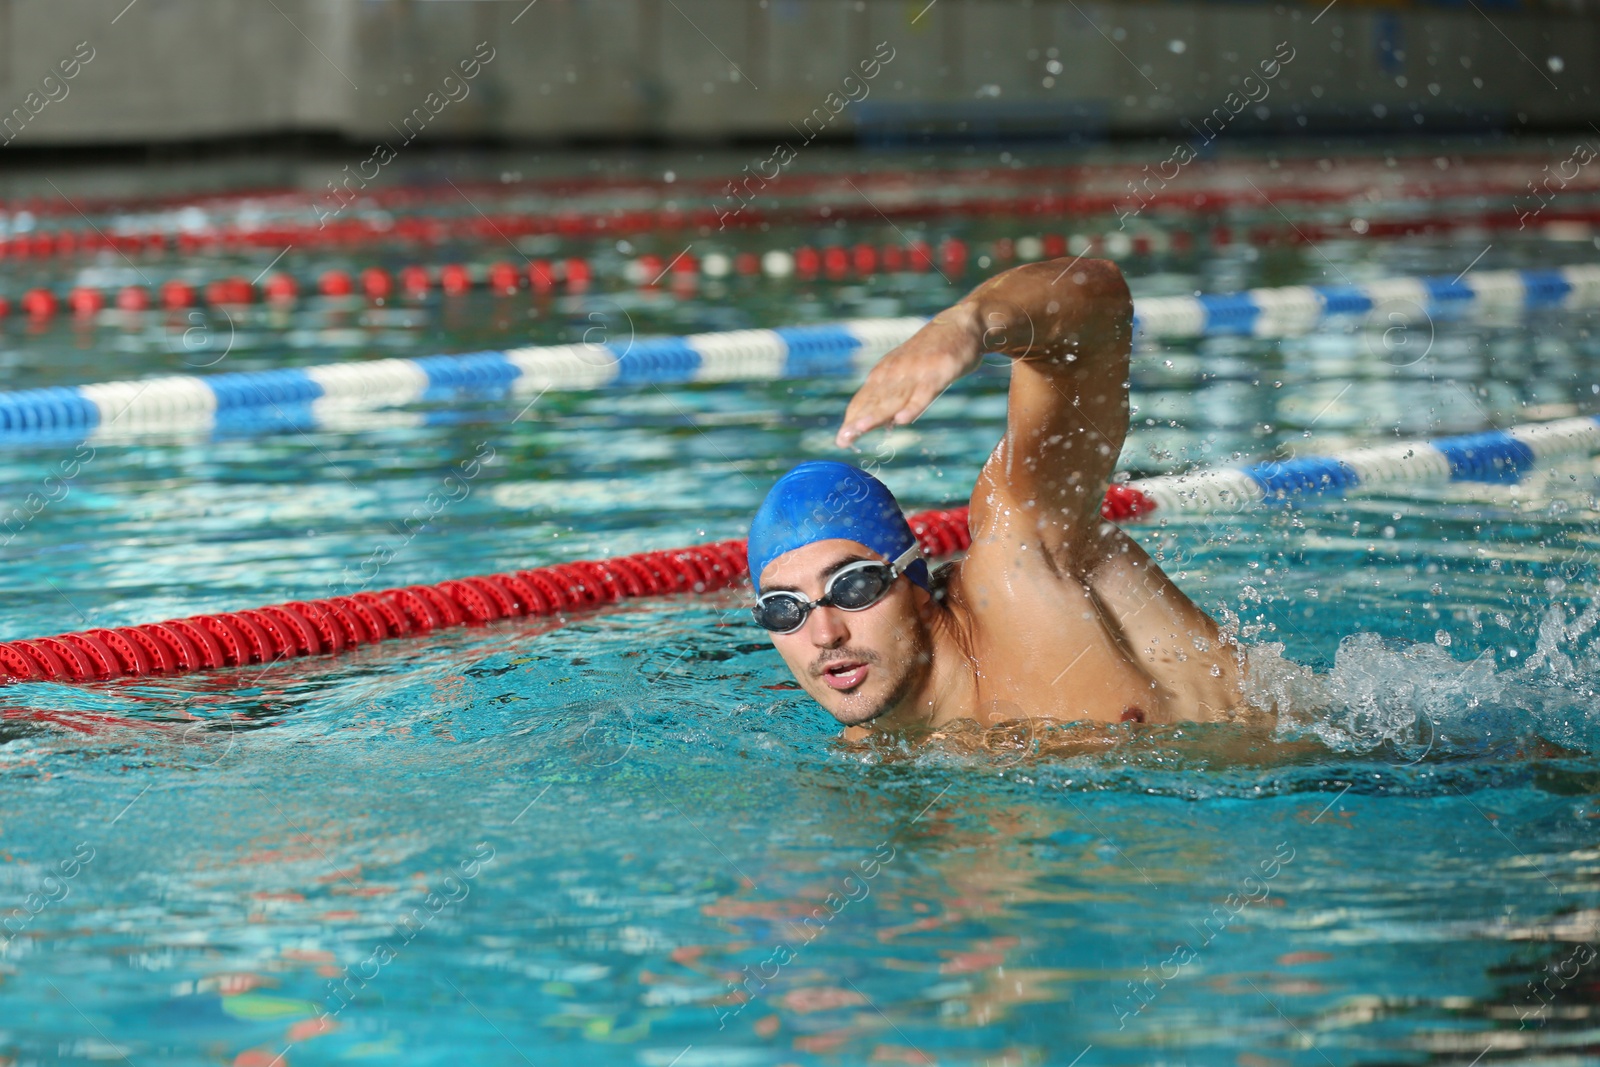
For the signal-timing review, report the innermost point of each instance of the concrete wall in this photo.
(708, 69)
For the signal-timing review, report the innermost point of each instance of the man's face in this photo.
(857, 664)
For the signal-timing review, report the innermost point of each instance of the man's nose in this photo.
(827, 627)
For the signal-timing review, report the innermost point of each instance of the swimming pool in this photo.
(623, 840)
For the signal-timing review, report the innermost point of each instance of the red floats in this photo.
(377, 283)
(504, 279)
(335, 283)
(235, 647)
(953, 256)
(15, 662)
(686, 265)
(85, 301)
(455, 279)
(1124, 502)
(230, 291)
(42, 662)
(133, 298)
(131, 656)
(281, 631)
(541, 275)
(474, 605)
(647, 269)
(280, 289)
(331, 632)
(39, 303)
(104, 660)
(414, 281)
(835, 262)
(176, 295)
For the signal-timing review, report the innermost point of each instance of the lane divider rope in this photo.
(305, 628)
(1355, 176)
(1087, 192)
(101, 289)
(1499, 456)
(303, 397)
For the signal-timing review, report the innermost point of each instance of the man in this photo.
(1053, 612)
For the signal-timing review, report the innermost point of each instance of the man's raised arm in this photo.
(1068, 324)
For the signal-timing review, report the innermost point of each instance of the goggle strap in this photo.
(907, 558)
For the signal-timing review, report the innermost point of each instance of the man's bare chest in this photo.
(1040, 647)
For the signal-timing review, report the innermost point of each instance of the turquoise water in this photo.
(620, 840)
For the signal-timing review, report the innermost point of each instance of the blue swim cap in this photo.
(822, 500)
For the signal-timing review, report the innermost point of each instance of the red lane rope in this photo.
(711, 217)
(1418, 174)
(835, 262)
(313, 627)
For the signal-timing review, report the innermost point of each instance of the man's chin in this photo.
(860, 705)
(879, 693)
(855, 713)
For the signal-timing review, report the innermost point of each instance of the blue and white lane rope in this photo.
(315, 396)
(1491, 456)
(188, 403)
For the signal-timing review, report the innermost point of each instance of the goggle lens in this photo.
(855, 588)
(781, 613)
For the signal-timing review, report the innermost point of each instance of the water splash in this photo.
(1407, 702)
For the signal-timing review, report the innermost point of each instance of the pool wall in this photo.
(718, 69)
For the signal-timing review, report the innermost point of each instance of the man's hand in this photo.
(913, 375)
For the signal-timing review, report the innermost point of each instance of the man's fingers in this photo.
(892, 394)
(866, 414)
(848, 434)
(919, 401)
(858, 419)
(903, 384)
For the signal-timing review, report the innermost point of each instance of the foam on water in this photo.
(1410, 701)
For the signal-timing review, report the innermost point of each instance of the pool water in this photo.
(622, 838)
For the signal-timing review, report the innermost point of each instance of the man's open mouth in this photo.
(845, 675)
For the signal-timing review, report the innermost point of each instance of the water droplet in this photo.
(1441, 639)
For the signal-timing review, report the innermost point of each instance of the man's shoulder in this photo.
(1008, 586)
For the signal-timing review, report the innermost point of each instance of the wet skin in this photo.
(1054, 612)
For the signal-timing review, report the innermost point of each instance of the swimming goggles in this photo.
(854, 587)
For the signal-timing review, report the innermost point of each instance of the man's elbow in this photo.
(1100, 280)
(1101, 288)
(1110, 285)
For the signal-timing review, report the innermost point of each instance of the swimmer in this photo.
(1053, 612)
